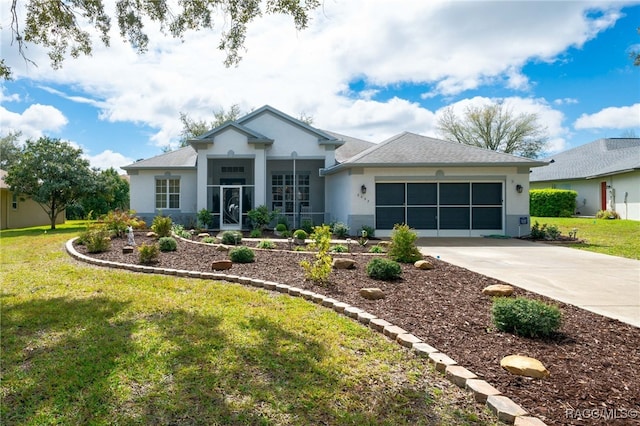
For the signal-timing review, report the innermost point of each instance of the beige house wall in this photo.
(24, 214)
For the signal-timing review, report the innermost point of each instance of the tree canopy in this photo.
(110, 192)
(9, 149)
(52, 173)
(193, 128)
(61, 25)
(495, 127)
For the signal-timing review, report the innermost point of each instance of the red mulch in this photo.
(594, 361)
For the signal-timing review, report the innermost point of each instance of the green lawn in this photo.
(86, 345)
(614, 237)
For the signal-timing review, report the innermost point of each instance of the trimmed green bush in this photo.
(242, 255)
(403, 247)
(148, 253)
(376, 249)
(340, 230)
(525, 317)
(281, 227)
(162, 225)
(255, 233)
(339, 248)
(266, 244)
(231, 238)
(97, 240)
(607, 214)
(383, 269)
(552, 202)
(167, 244)
(209, 240)
(544, 232)
(300, 234)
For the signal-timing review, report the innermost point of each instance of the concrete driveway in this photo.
(603, 284)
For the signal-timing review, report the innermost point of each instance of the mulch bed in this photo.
(594, 361)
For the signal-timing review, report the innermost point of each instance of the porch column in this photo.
(201, 192)
(260, 176)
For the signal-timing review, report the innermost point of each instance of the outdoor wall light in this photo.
(519, 189)
(363, 189)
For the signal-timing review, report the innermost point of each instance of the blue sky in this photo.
(365, 68)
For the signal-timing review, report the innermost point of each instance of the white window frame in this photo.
(170, 191)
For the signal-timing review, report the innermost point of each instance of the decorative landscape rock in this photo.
(343, 263)
(152, 234)
(127, 250)
(222, 247)
(372, 293)
(203, 235)
(524, 366)
(221, 265)
(423, 264)
(498, 290)
(385, 243)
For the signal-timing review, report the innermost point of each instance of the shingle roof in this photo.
(351, 146)
(181, 158)
(410, 149)
(598, 158)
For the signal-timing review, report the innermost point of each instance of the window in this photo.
(14, 202)
(282, 192)
(168, 193)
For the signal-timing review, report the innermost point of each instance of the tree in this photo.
(52, 173)
(9, 149)
(55, 24)
(495, 127)
(635, 55)
(192, 129)
(109, 192)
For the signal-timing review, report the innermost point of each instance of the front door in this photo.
(231, 207)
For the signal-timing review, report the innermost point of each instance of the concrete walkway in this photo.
(600, 283)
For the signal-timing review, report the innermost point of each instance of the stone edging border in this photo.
(503, 407)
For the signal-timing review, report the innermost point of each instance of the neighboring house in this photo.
(20, 212)
(269, 158)
(605, 174)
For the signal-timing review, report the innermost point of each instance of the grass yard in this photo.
(85, 345)
(613, 237)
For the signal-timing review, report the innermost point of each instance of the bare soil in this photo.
(594, 361)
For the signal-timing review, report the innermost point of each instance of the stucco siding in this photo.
(26, 214)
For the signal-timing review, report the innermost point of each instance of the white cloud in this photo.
(33, 122)
(446, 47)
(107, 159)
(565, 101)
(626, 117)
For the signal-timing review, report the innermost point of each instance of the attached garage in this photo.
(442, 208)
(438, 188)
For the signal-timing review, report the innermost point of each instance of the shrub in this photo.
(551, 202)
(167, 244)
(255, 233)
(300, 248)
(97, 239)
(161, 225)
(242, 255)
(266, 244)
(209, 240)
(320, 270)
(525, 317)
(231, 238)
(300, 234)
(281, 227)
(339, 248)
(383, 269)
(260, 217)
(180, 231)
(340, 230)
(205, 218)
(376, 249)
(370, 231)
(148, 253)
(282, 220)
(307, 226)
(403, 247)
(118, 221)
(544, 232)
(607, 214)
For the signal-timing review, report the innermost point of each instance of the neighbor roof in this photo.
(599, 158)
(183, 158)
(3, 184)
(413, 150)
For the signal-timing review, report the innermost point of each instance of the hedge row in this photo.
(552, 202)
